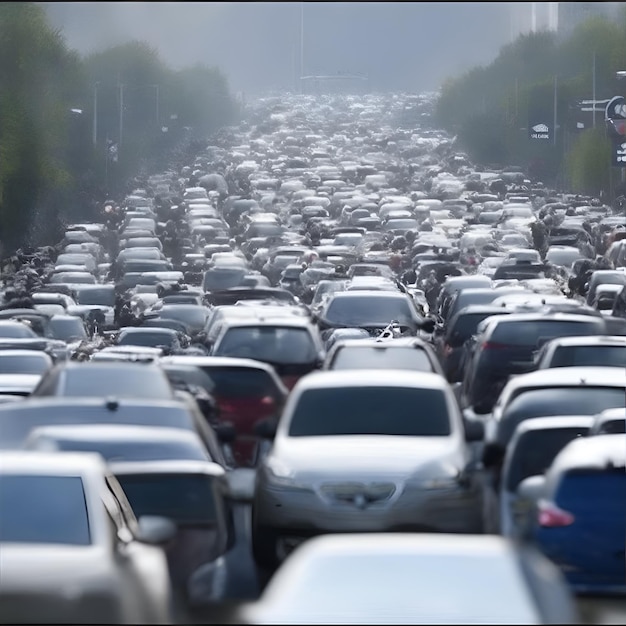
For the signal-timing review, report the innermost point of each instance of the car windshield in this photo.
(223, 278)
(400, 411)
(593, 356)
(101, 297)
(43, 509)
(242, 382)
(536, 450)
(183, 498)
(274, 344)
(67, 329)
(140, 382)
(194, 316)
(382, 357)
(138, 450)
(146, 340)
(16, 331)
(24, 363)
(537, 332)
(557, 401)
(365, 310)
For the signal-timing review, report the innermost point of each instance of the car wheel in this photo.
(264, 543)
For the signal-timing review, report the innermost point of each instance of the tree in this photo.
(589, 162)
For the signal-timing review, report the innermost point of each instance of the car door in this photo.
(145, 586)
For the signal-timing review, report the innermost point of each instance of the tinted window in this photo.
(536, 450)
(240, 382)
(612, 427)
(382, 357)
(138, 451)
(555, 401)
(371, 411)
(26, 364)
(361, 311)
(598, 356)
(150, 340)
(189, 374)
(194, 316)
(223, 278)
(16, 331)
(67, 329)
(537, 332)
(102, 297)
(43, 509)
(119, 382)
(594, 492)
(268, 343)
(465, 325)
(184, 498)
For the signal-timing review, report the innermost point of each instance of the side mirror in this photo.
(474, 430)
(156, 530)
(493, 455)
(531, 488)
(225, 432)
(240, 484)
(266, 429)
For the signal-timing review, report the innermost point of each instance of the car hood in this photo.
(377, 455)
(49, 568)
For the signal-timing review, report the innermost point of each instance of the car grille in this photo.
(357, 493)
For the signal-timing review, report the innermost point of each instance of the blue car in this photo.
(580, 518)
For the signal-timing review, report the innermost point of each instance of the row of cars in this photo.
(320, 354)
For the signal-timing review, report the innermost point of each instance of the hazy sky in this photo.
(410, 46)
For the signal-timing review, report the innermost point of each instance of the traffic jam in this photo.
(326, 370)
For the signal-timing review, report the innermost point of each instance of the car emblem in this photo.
(360, 501)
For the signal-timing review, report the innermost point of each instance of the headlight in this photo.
(279, 475)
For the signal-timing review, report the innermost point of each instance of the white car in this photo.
(413, 579)
(365, 451)
(71, 549)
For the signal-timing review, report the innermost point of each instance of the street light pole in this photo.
(95, 115)
(156, 87)
(594, 88)
(121, 115)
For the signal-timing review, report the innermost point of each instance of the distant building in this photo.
(572, 14)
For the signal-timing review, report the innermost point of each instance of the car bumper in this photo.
(455, 510)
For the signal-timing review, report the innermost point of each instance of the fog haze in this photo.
(409, 46)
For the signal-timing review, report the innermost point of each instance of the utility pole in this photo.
(156, 87)
(301, 45)
(555, 110)
(121, 85)
(95, 115)
(593, 72)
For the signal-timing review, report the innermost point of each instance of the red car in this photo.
(246, 392)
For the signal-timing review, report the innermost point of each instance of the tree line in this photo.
(489, 107)
(74, 128)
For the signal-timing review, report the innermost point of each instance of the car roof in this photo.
(420, 552)
(371, 378)
(272, 320)
(52, 464)
(612, 414)
(19, 353)
(116, 432)
(590, 340)
(399, 342)
(167, 467)
(550, 423)
(215, 361)
(594, 453)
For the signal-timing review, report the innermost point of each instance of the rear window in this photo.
(43, 509)
(185, 498)
(222, 278)
(383, 357)
(121, 383)
(397, 411)
(146, 340)
(595, 356)
(465, 326)
(240, 382)
(537, 332)
(595, 492)
(24, 364)
(101, 297)
(273, 344)
(365, 310)
(536, 450)
(557, 401)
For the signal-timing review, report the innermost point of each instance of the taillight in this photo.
(550, 516)
(492, 345)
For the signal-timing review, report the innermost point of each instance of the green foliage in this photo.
(488, 107)
(50, 170)
(589, 161)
